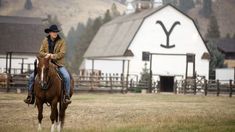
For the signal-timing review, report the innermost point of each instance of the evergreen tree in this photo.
(84, 41)
(228, 36)
(28, 5)
(213, 29)
(115, 12)
(83, 36)
(145, 75)
(0, 3)
(217, 58)
(173, 2)
(185, 5)
(197, 24)
(72, 40)
(234, 36)
(97, 24)
(206, 10)
(107, 16)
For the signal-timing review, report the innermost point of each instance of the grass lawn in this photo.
(125, 113)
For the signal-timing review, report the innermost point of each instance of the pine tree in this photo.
(213, 29)
(145, 75)
(0, 3)
(97, 24)
(173, 2)
(115, 12)
(107, 16)
(228, 36)
(83, 36)
(217, 58)
(206, 10)
(28, 5)
(185, 5)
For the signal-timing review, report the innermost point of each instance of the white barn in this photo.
(165, 32)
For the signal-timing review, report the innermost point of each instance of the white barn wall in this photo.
(149, 37)
(105, 66)
(185, 37)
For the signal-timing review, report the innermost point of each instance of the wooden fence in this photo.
(120, 83)
(216, 87)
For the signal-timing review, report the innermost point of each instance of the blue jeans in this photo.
(66, 78)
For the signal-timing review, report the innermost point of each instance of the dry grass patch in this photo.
(128, 112)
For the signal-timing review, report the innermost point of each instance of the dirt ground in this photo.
(125, 112)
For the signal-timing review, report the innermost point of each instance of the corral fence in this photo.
(119, 83)
(203, 86)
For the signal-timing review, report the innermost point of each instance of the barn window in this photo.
(145, 56)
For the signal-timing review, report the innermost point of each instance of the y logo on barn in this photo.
(168, 33)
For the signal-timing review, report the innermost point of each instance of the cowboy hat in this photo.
(52, 28)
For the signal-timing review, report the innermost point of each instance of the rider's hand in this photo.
(48, 56)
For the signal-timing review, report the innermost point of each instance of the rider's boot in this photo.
(30, 98)
(67, 99)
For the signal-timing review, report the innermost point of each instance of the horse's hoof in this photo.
(39, 127)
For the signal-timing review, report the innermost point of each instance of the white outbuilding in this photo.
(160, 37)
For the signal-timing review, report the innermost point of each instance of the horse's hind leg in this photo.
(40, 115)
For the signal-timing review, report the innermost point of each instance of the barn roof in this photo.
(226, 45)
(114, 38)
(20, 34)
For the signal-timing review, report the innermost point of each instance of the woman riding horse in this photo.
(53, 47)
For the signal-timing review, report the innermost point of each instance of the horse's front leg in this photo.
(54, 114)
(40, 115)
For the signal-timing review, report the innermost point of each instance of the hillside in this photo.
(69, 12)
(225, 13)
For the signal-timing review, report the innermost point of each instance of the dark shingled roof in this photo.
(226, 45)
(20, 34)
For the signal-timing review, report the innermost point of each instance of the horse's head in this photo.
(43, 70)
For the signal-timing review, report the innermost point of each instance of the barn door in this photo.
(166, 83)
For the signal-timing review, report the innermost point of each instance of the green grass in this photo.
(126, 113)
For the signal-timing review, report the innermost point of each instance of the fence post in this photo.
(122, 82)
(195, 86)
(185, 85)
(111, 84)
(218, 87)
(231, 89)
(175, 87)
(158, 87)
(8, 81)
(131, 84)
(205, 83)
(91, 82)
(127, 82)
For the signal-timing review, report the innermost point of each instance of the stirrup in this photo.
(29, 100)
(67, 100)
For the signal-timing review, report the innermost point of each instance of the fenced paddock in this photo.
(115, 83)
(126, 113)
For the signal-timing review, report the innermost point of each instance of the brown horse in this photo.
(49, 89)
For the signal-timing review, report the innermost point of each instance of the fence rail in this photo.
(114, 83)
